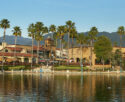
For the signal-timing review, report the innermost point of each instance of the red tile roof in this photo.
(14, 48)
(40, 48)
(17, 54)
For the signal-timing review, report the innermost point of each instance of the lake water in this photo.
(62, 88)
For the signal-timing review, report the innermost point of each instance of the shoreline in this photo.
(65, 72)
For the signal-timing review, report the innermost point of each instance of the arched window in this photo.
(77, 59)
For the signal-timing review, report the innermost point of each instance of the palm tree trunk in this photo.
(81, 54)
(37, 52)
(32, 52)
(120, 42)
(103, 63)
(72, 47)
(15, 50)
(68, 48)
(44, 49)
(4, 33)
(60, 49)
(91, 45)
(121, 52)
(56, 47)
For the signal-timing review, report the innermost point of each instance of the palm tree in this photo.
(44, 31)
(31, 31)
(69, 26)
(72, 36)
(40, 31)
(4, 23)
(92, 37)
(38, 36)
(121, 31)
(52, 29)
(61, 30)
(16, 32)
(55, 37)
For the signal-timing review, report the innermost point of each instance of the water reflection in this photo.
(62, 88)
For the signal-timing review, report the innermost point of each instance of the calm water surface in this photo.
(62, 88)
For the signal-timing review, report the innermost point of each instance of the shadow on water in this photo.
(61, 88)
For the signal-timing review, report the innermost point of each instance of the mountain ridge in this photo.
(114, 37)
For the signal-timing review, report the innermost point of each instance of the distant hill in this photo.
(114, 37)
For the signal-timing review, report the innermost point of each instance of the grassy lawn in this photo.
(70, 68)
(18, 67)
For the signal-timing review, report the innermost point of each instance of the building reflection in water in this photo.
(61, 88)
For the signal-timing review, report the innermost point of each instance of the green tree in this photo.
(116, 58)
(82, 40)
(72, 36)
(69, 26)
(40, 30)
(92, 37)
(4, 24)
(52, 29)
(115, 44)
(31, 33)
(16, 32)
(61, 30)
(121, 31)
(103, 49)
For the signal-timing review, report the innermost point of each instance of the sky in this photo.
(106, 15)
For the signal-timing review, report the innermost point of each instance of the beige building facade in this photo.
(76, 54)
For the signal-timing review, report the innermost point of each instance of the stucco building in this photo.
(86, 56)
(23, 53)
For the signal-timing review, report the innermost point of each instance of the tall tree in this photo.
(116, 56)
(82, 40)
(16, 32)
(92, 37)
(38, 37)
(44, 31)
(69, 26)
(4, 24)
(40, 31)
(103, 49)
(52, 29)
(121, 32)
(31, 33)
(61, 30)
(72, 36)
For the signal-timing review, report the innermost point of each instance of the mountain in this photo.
(114, 37)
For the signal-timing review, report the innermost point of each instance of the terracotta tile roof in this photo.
(40, 48)
(13, 48)
(17, 54)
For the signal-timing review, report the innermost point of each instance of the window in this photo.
(6, 50)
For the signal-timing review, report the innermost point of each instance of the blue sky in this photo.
(106, 15)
